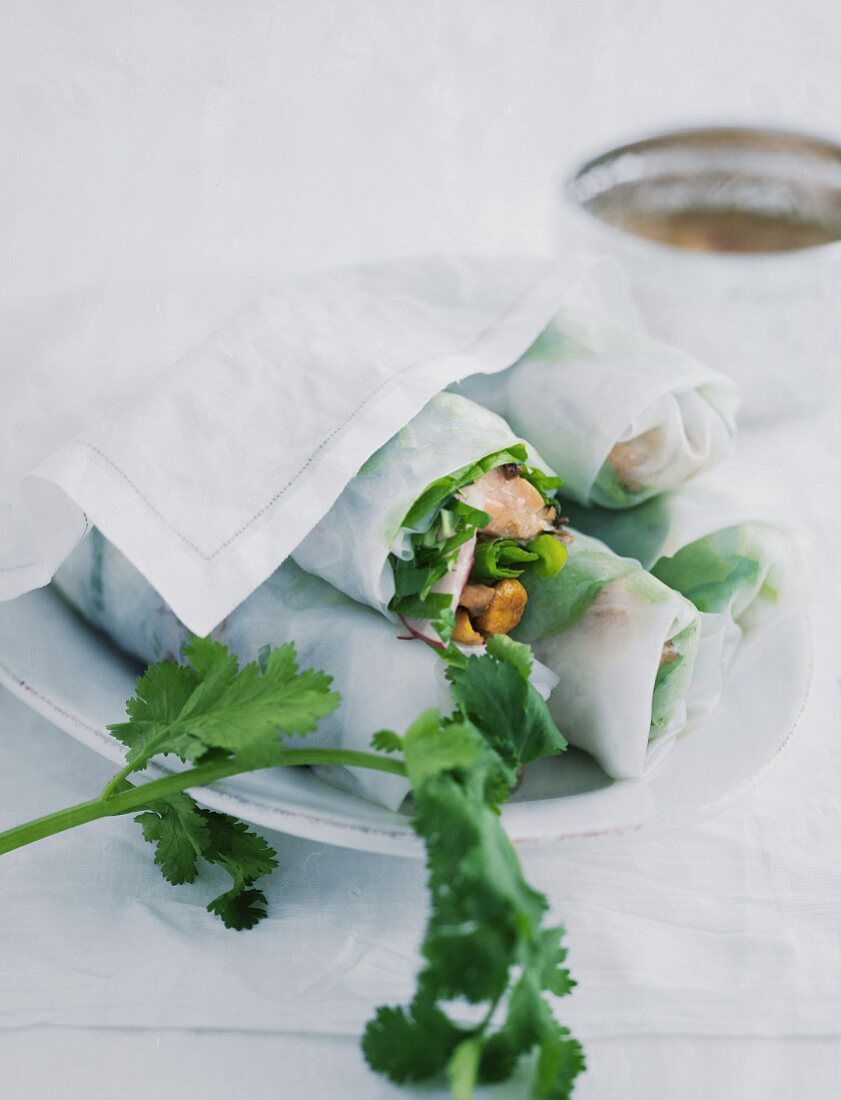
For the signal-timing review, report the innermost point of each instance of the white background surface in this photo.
(247, 142)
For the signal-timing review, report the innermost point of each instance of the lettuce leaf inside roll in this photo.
(740, 569)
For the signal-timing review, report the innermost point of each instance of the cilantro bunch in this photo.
(485, 944)
(490, 963)
(442, 524)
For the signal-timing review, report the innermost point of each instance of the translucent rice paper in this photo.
(384, 683)
(718, 644)
(605, 627)
(734, 563)
(350, 546)
(722, 553)
(619, 416)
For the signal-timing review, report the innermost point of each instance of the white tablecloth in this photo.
(252, 141)
(756, 889)
(177, 1065)
(727, 931)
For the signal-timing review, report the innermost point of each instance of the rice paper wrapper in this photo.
(384, 683)
(727, 555)
(624, 648)
(718, 643)
(350, 546)
(619, 416)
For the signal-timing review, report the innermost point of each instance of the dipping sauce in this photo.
(725, 190)
(721, 230)
(729, 241)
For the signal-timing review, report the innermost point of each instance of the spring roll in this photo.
(384, 683)
(622, 419)
(440, 526)
(623, 646)
(723, 556)
(734, 565)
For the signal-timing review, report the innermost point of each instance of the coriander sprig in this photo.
(485, 948)
(485, 943)
(223, 720)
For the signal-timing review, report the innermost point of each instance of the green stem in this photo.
(119, 780)
(137, 765)
(129, 798)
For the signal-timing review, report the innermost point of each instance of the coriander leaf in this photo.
(499, 1059)
(208, 658)
(413, 606)
(161, 693)
(554, 977)
(216, 670)
(471, 964)
(492, 692)
(244, 711)
(484, 943)
(520, 1031)
(560, 1061)
(183, 833)
(431, 747)
(529, 1022)
(387, 741)
(211, 705)
(209, 711)
(243, 854)
(239, 908)
(413, 1044)
(180, 834)
(503, 648)
(393, 1044)
(526, 1011)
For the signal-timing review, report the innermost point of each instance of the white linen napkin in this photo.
(210, 474)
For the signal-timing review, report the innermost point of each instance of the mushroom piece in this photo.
(464, 633)
(477, 598)
(506, 609)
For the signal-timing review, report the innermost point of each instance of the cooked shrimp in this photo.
(628, 459)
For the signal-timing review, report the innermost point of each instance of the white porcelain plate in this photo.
(68, 672)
